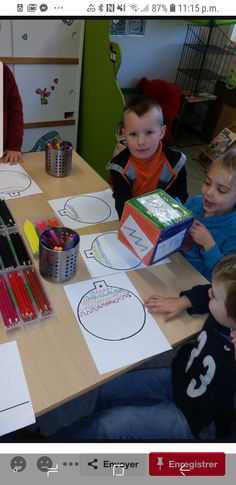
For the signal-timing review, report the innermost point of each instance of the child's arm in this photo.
(194, 301)
(171, 307)
(15, 124)
(211, 252)
(202, 236)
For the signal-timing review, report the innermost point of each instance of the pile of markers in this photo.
(59, 239)
(22, 295)
(59, 145)
(33, 230)
(13, 251)
(39, 294)
(6, 219)
(7, 258)
(8, 305)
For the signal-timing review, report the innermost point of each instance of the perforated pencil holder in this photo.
(58, 163)
(58, 254)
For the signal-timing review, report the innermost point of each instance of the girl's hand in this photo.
(12, 157)
(202, 236)
(172, 307)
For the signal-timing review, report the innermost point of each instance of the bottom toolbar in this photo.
(130, 468)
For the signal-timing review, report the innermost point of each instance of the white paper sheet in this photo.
(84, 210)
(104, 254)
(15, 182)
(114, 322)
(16, 409)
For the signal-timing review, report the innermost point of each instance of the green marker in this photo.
(12, 248)
(12, 297)
(29, 292)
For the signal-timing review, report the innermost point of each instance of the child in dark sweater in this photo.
(192, 399)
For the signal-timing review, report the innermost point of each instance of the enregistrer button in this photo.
(187, 464)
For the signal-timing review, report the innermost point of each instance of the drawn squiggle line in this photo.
(96, 300)
(84, 311)
(100, 253)
(138, 239)
(104, 292)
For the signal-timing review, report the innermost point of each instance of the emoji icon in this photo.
(18, 464)
(44, 463)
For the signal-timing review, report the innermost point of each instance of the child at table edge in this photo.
(191, 400)
(213, 234)
(145, 165)
(13, 126)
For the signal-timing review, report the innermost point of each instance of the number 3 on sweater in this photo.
(194, 389)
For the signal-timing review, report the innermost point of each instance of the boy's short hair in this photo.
(141, 104)
(227, 161)
(225, 273)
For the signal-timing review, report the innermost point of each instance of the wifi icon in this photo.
(134, 7)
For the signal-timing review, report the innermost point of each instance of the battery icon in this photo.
(172, 7)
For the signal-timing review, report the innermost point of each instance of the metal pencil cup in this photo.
(58, 266)
(58, 163)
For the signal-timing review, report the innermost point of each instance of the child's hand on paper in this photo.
(12, 157)
(202, 236)
(171, 307)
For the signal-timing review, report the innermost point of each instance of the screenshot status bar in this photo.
(139, 8)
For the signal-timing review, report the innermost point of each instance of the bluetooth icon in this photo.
(100, 7)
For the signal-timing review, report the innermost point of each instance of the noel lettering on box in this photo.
(154, 226)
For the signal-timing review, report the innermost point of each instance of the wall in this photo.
(154, 55)
(46, 59)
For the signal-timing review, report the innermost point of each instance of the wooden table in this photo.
(57, 363)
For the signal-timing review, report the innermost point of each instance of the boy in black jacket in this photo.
(190, 400)
(145, 164)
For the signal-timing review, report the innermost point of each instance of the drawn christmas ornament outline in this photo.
(97, 210)
(13, 182)
(96, 251)
(100, 301)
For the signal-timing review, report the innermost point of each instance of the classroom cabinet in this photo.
(46, 59)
